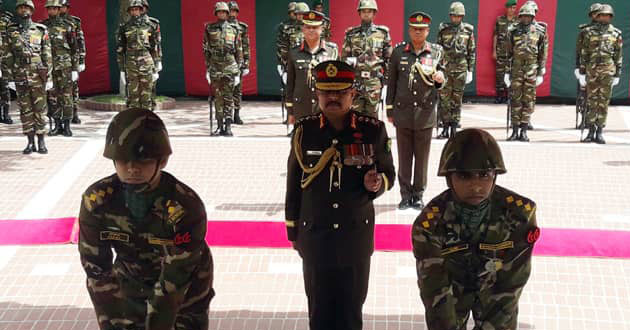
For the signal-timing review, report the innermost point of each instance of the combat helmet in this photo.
(533, 4)
(291, 8)
(136, 134)
(606, 9)
(527, 10)
(302, 8)
(135, 3)
(221, 6)
(65, 3)
(25, 3)
(596, 7)
(145, 4)
(471, 149)
(457, 9)
(367, 4)
(53, 3)
(233, 6)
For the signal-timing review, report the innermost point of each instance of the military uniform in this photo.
(458, 42)
(28, 64)
(162, 273)
(80, 36)
(473, 258)
(369, 47)
(411, 101)
(238, 90)
(501, 27)
(137, 56)
(5, 95)
(289, 36)
(329, 211)
(158, 31)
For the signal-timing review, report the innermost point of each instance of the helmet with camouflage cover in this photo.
(595, 8)
(135, 3)
(145, 4)
(367, 4)
(533, 4)
(221, 6)
(526, 11)
(457, 9)
(233, 6)
(53, 3)
(471, 150)
(65, 3)
(606, 9)
(25, 3)
(301, 8)
(291, 7)
(136, 134)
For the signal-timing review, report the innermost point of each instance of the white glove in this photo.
(615, 81)
(280, 71)
(539, 81)
(469, 77)
(49, 85)
(208, 78)
(81, 67)
(245, 72)
(155, 77)
(75, 76)
(158, 66)
(384, 93)
(577, 74)
(543, 71)
(11, 85)
(0, 73)
(122, 78)
(352, 61)
(237, 80)
(582, 80)
(284, 78)
(506, 80)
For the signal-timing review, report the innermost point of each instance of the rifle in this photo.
(210, 105)
(580, 107)
(508, 114)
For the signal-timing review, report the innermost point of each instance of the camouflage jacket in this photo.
(137, 45)
(501, 28)
(582, 28)
(528, 46)
(301, 99)
(158, 33)
(326, 29)
(63, 43)
(410, 99)
(458, 42)
(5, 19)
(158, 258)
(28, 56)
(223, 50)
(464, 254)
(289, 36)
(371, 46)
(331, 219)
(244, 33)
(602, 50)
(80, 36)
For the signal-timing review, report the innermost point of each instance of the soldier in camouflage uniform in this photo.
(527, 50)
(473, 243)
(289, 36)
(65, 7)
(65, 59)
(28, 67)
(499, 48)
(5, 96)
(600, 69)
(138, 56)
(301, 98)
(367, 48)
(223, 53)
(581, 90)
(244, 34)
(156, 27)
(162, 273)
(458, 41)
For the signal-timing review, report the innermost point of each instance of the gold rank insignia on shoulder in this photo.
(175, 212)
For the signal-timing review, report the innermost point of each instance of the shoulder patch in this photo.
(432, 213)
(514, 201)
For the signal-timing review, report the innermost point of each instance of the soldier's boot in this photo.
(454, 126)
(66, 128)
(530, 127)
(445, 131)
(237, 117)
(599, 135)
(6, 117)
(75, 116)
(590, 137)
(228, 128)
(30, 146)
(514, 135)
(219, 130)
(41, 145)
(523, 137)
(57, 128)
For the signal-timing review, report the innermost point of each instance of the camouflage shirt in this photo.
(289, 36)
(528, 46)
(158, 257)
(244, 34)
(158, 34)
(458, 42)
(28, 56)
(602, 49)
(137, 46)
(80, 36)
(371, 45)
(582, 28)
(469, 257)
(223, 50)
(63, 43)
(501, 28)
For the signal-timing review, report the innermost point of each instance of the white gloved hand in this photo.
(615, 81)
(208, 78)
(81, 67)
(582, 80)
(539, 81)
(280, 71)
(352, 61)
(123, 80)
(155, 77)
(543, 71)
(284, 78)
(237, 80)
(384, 93)
(577, 74)
(506, 80)
(11, 85)
(245, 72)
(49, 85)
(469, 77)
(75, 76)
(0, 73)
(158, 66)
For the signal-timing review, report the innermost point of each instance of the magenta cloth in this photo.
(30, 232)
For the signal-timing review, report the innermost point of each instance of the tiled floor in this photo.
(242, 178)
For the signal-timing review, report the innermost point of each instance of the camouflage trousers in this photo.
(31, 99)
(5, 94)
(488, 313)
(139, 89)
(223, 97)
(598, 91)
(60, 99)
(75, 96)
(451, 96)
(500, 71)
(238, 95)
(368, 97)
(523, 92)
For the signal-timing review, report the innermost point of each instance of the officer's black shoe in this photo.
(66, 128)
(514, 135)
(219, 130)
(228, 128)
(237, 117)
(57, 128)
(417, 203)
(30, 147)
(523, 137)
(454, 127)
(445, 132)
(590, 137)
(599, 135)
(404, 204)
(41, 144)
(530, 127)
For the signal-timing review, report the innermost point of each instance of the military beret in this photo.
(419, 19)
(510, 3)
(333, 76)
(313, 18)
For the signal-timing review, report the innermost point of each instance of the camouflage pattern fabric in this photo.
(600, 59)
(244, 34)
(371, 46)
(156, 27)
(289, 36)
(501, 28)
(458, 42)
(5, 96)
(28, 63)
(326, 33)
(82, 53)
(474, 259)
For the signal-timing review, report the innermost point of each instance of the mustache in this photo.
(333, 103)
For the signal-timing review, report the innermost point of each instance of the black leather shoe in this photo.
(57, 128)
(590, 137)
(228, 128)
(217, 131)
(445, 132)
(530, 127)
(237, 117)
(404, 204)
(417, 203)
(523, 137)
(30, 146)
(41, 144)
(514, 135)
(599, 135)
(66, 128)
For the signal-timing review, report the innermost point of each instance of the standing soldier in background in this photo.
(281, 51)
(289, 36)
(543, 26)
(223, 54)
(65, 60)
(527, 51)
(5, 95)
(499, 48)
(581, 88)
(244, 34)
(318, 5)
(65, 6)
(600, 69)
(458, 41)
(138, 57)
(301, 98)
(28, 68)
(156, 27)
(367, 48)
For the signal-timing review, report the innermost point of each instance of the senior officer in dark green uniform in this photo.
(301, 99)
(473, 243)
(161, 276)
(340, 161)
(415, 75)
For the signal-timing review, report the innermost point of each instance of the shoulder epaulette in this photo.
(7, 13)
(243, 24)
(331, 44)
(352, 29)
(40, 26)
(307, 119)
(154, 20)
(542, 25)
(616, 30)
(98, 193)
(382, 27)
(368, 120)
(468, 27)
(582, 26)
(443, 26)
(520, 204)
(75, 18)
(433, 211)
